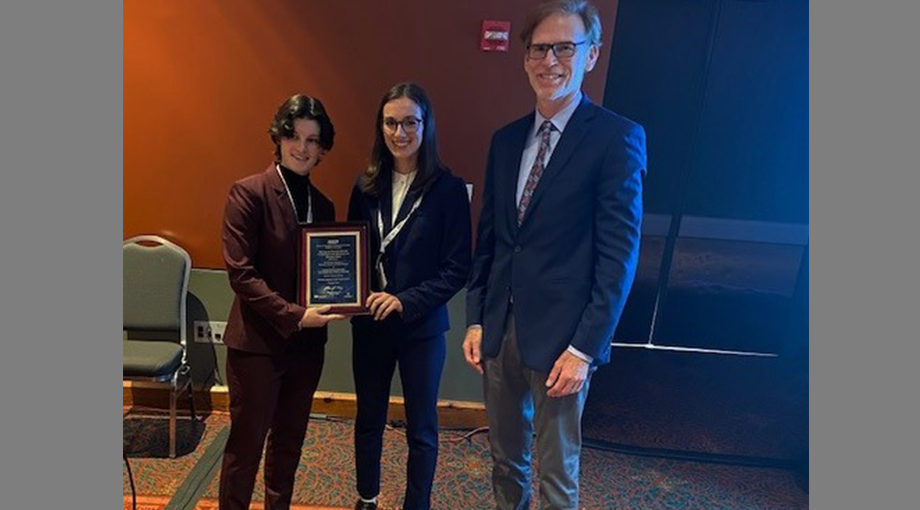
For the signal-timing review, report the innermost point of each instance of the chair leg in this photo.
(172, 424)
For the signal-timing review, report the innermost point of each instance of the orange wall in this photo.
(202, 79)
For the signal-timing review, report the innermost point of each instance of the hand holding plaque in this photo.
(318, 316)
(334, 267)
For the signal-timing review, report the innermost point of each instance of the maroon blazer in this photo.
(261, 244)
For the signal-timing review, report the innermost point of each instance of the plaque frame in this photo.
(360, 269)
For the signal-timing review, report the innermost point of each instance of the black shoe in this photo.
(361, 505)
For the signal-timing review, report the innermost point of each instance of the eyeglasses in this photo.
(409, 124)
(560, 49)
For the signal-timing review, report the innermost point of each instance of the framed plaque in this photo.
(334, 267)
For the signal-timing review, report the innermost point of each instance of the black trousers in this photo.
(420, 362)
(270, 395)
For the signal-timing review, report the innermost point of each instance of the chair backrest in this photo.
(155, 281)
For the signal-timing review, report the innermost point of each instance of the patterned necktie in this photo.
(536, 171)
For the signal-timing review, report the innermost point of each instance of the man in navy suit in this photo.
(556, 255)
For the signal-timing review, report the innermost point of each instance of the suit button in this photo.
(517, 249)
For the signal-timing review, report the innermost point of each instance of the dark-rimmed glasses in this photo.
(560, 49)
(409, 124)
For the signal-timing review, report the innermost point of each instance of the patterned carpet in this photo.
(325, 478)
(160, 503)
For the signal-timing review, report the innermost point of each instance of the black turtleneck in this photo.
(300, 191)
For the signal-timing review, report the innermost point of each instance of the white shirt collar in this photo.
(398, 177)
(561, 118)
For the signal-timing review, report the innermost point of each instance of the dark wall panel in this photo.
(751, 160)
(655, 78)
(721, 87)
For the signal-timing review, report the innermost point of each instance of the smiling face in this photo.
(556, 81)
(301, 152)
(403, 144)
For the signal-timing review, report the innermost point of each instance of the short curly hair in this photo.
(301, 106)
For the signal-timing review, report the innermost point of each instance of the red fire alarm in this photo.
(495, 35)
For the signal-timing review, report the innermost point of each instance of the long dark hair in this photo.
(380, 164)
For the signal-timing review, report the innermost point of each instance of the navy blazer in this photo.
(427, 263)
(569, 266)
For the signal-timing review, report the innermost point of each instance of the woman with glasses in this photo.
(419, 214)
(275, 347)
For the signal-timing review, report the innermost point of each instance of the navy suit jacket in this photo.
(570, 264)
(427, 263)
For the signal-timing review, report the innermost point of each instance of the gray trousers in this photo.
(516, 404)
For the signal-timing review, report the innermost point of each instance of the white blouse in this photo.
(401, 184)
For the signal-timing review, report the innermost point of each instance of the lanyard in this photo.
(385, 241)
(291, 198)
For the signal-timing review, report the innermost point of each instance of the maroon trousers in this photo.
(270, 395)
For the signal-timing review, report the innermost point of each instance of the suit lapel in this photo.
(281, 195)
(510, 177)
(574, 132)
(408, 202)
(284, 205)
(413, 194)
(385, 203)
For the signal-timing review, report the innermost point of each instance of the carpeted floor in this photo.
(325, 478)
(161, 503)
(728, 405)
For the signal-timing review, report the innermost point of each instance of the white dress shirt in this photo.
(401, 184)
(532, 145)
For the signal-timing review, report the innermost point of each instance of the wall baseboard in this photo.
(451, 413)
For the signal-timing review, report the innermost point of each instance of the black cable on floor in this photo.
(131, 481)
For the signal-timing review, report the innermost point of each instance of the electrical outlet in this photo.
(209, 332)
(217, 332)
(200, 332)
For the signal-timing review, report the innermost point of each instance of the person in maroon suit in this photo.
(275, 347)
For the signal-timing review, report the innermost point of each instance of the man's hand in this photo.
(567, 376)
(318, 316)
(382, 304)
(471, 348)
